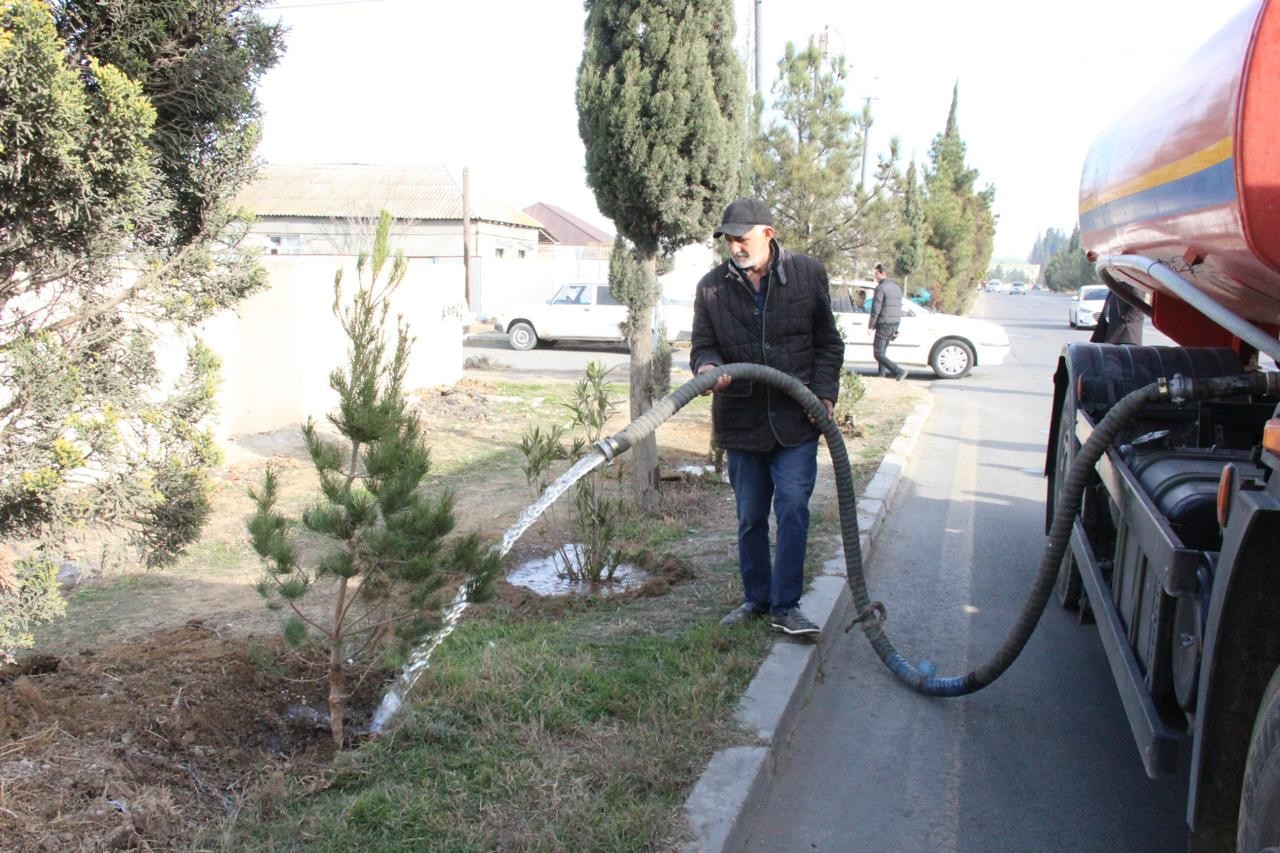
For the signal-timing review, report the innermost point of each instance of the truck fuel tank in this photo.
(1183, 483)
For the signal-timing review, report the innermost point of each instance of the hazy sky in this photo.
(489, 84)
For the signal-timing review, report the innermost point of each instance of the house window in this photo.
(282, 244)
(499, 252)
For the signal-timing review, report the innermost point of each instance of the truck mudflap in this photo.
(1241, 652)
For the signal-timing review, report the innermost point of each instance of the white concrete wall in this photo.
(506, 264)
(277, 350)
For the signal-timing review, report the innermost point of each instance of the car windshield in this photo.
(572, 294)
(1092, 294)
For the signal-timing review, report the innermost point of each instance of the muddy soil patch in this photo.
(143, 742)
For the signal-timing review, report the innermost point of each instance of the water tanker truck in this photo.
(1174, 553)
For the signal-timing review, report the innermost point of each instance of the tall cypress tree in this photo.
(909, 247)
(661, 98)
(960, 225)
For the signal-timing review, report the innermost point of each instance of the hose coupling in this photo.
(610, 448)
(1178, 389)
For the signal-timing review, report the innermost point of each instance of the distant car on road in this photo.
(994, 285)
(1086, 306)
(948, 344)
(1019, 288)
(583, 312)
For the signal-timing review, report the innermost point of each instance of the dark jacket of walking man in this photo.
(768, 306)
(1118, 323)
(886, 314)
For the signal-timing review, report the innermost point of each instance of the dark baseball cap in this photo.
(743, 215)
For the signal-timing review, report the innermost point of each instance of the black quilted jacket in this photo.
(796, 334)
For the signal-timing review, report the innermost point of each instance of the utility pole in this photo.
(759, 48)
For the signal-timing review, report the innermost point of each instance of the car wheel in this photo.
(952, 359)
(522, 337)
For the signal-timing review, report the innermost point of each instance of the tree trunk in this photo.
(337, 697)
(644, 455)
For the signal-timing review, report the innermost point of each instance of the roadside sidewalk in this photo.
(735, 778)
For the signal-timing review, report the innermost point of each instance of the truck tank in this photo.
(1190, 176)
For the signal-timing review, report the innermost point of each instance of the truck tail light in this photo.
(1225, 483)
(1271, 436)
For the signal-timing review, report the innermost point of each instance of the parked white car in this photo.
(677, 316)
(1086, 306)
(948, 344)
(583, 312)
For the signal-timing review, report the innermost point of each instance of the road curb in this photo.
(735, 779)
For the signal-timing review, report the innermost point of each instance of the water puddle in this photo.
(546, 576)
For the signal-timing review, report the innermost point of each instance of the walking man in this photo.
(769, 306)
(886, 313)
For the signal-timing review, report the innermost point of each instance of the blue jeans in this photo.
(784, 476)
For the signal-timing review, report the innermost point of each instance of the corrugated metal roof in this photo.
(360, 190)
(568, 229)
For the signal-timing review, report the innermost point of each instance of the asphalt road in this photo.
(1041, 760)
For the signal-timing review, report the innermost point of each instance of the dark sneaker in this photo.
(745, 613)
(902, 374)
(793, 622)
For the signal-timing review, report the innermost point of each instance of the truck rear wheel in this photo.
(1259, 824)
(1069, 582)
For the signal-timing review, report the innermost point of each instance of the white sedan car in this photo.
(582, 312)
(948, 344)
(1086, 306)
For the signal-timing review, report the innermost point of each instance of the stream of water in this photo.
(421, 656)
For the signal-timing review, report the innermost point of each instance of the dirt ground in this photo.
(165, 698)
